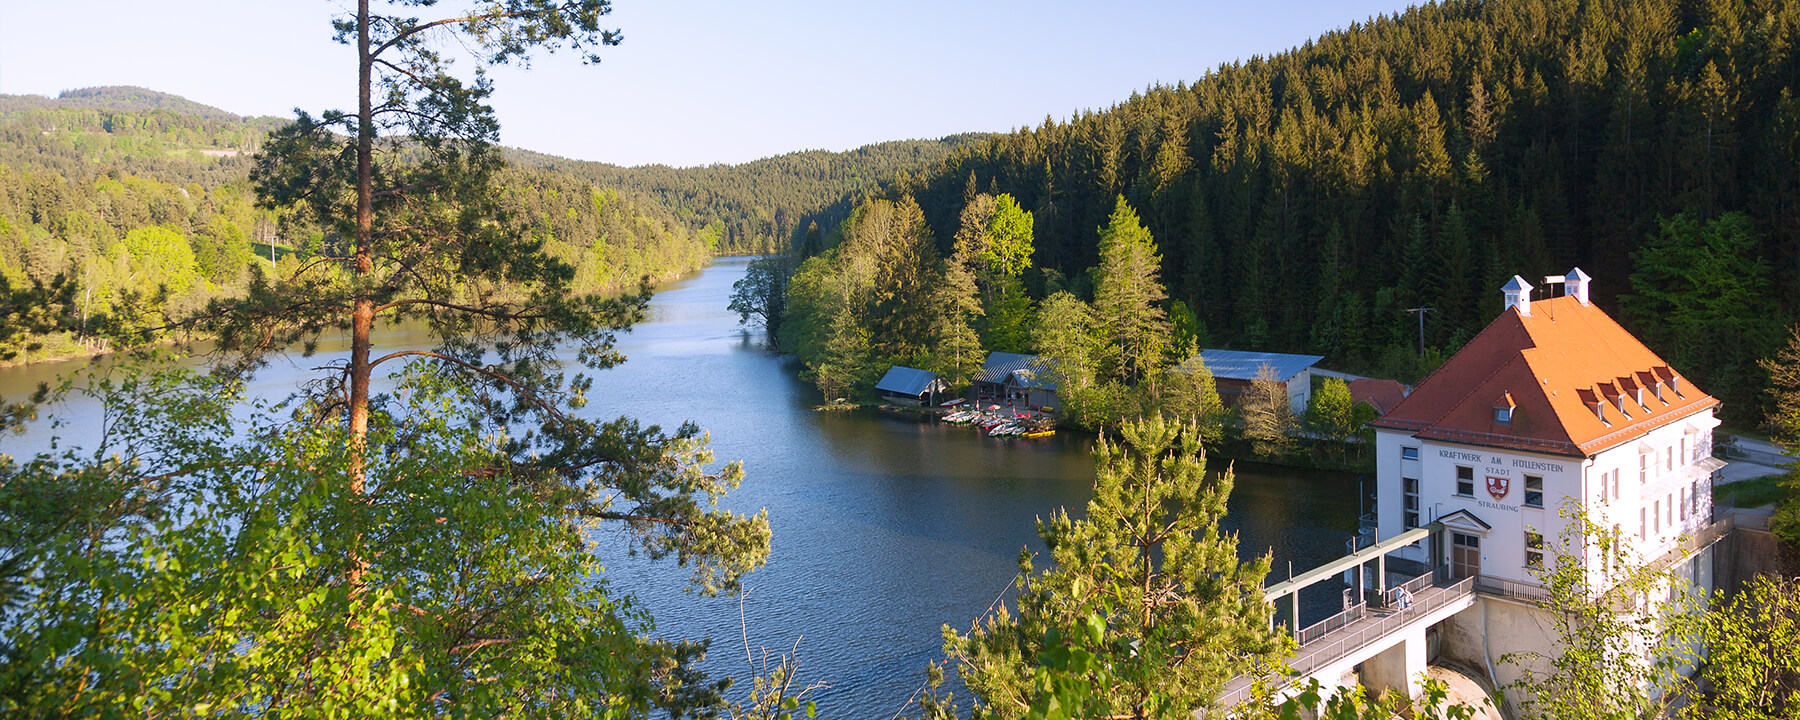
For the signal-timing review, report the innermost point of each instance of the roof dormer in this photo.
(1595, 402)
(1669, 378)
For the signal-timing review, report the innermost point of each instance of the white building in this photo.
(1553, 401)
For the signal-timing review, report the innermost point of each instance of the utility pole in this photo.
(1421, 313)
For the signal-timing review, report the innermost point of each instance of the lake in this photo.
(885, 528)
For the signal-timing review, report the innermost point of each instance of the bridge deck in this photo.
(1354, 629)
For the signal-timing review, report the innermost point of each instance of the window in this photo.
(1643, 468)
(1669, 506)
(1534, 491)
(1534, 549)
(1465, 481)
(1503, 416)
(1656, 515)
(1684, 505)
(1643, 531)
(1669, 458)
(1684, 452)
(1411, 508)
(1409, 453)
(1615, 483)
(1468, 541)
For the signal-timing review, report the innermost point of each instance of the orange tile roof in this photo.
(1557, 365)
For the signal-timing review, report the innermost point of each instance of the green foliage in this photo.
(1331, 412)
(1753, 654)
(1128, 293)
(1146, 611)
(872, 301)
(957, 354)
(843, 367)
(1624, 627)
(1007, 315)
(161, 256)
(1009, 246)
(1784, 378)
(1068, 336)
(193, 564)
(762, 293)
(764, 206)
(1702, 295)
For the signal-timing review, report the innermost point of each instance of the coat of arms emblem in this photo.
(1497, 486)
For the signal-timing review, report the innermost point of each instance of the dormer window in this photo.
(1503, 409)
(1595, 403)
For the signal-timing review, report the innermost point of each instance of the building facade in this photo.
(1553, 406)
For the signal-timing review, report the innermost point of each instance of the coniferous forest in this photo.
(1305, 201)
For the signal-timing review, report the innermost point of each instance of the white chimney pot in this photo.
(1518, 295)
(1576, 284)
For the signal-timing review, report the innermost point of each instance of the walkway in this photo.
(1361, 626)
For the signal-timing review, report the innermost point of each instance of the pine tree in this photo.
(1147, 571)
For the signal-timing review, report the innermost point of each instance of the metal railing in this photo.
(1357, 635)
(1730, 451)
(1510, 588)
(1325, 627)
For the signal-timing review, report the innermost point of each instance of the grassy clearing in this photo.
(1751, 493)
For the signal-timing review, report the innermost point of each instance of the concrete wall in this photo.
(1479, 637)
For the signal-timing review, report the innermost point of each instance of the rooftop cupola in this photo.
(1518, 294)
(1575, 285)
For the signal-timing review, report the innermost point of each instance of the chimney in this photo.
(1576, 284)
(1518, 294)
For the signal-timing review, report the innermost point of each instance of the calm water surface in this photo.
(885, 528)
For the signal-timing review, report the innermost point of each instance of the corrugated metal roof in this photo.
(1027, 371)
(1244, 365)
(906, 381)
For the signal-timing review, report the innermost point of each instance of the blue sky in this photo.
(696, 81)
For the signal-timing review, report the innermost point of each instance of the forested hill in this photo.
(120, 97)
(761, 206)
(1304, 200)
(129, 203)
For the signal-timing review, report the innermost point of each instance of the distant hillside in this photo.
(117, 97)
(761, 205)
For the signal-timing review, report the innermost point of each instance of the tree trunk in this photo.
(363, 316)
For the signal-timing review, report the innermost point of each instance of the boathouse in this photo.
(911, 386)
(1022, 380)
(1233, 371)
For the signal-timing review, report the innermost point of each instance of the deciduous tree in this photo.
(762, 294)
(1267, 414)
